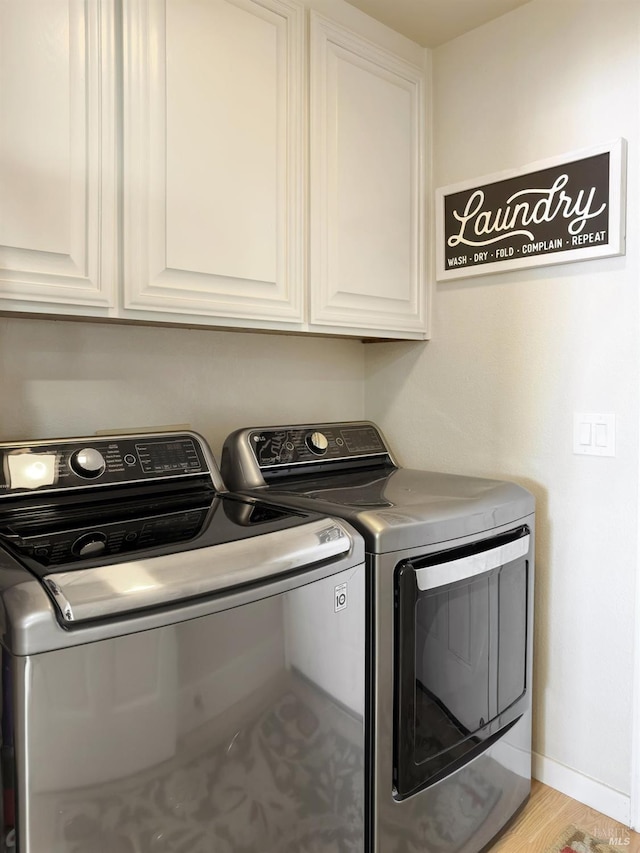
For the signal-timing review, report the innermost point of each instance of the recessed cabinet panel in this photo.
(34, 131)
(230, 134)
(367, 184)
(213, 179)
(57, 163)
(370, 241)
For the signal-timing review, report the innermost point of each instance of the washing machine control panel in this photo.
(315, 444)
(101, 461)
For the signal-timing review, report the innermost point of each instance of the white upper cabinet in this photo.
(214, 160)
(367, 191)
(187, 161)
(57, 156)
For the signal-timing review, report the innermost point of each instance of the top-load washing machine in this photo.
(450, 565)
(165, 683)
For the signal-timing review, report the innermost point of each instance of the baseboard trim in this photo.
(608, 801)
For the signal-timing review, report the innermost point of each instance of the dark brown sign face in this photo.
(558, 209)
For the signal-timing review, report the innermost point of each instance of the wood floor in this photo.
(548, 813)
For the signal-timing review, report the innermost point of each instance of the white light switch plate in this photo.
(594, 434)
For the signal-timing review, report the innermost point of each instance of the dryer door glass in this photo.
(461, 638)
(451, 666)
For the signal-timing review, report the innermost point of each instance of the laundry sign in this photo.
(566, 209)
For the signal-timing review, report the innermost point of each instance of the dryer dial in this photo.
(317, 443)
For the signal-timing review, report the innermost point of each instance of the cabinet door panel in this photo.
(213, 167)
(230, 133)
(57, 153)
(367, 185)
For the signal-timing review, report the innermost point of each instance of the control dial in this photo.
(317, 443)
(87, 463)
(89, 544)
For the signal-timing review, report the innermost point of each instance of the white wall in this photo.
(71, 378)
(514, 355)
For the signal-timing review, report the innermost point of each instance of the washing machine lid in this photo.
(125, 524)
(139, 584)
(115, 559)
(357, 478)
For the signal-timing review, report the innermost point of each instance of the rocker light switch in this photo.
(594, 434)
(585, 434)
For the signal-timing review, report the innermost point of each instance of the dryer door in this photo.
(460, 641)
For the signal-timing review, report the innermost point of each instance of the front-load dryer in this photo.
(450, 566)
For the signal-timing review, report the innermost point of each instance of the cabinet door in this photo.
(367, 186)
(213, 159)
(57, 156)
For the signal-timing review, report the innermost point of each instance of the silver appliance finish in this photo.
(408, 516)
(202, 697)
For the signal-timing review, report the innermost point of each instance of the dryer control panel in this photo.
(254, 455)
(323, 442)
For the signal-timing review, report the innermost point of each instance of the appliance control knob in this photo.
(88, 463)
(89, 545)
(317, 443)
